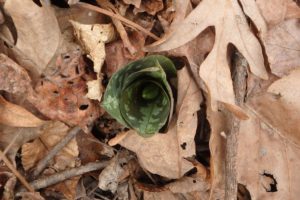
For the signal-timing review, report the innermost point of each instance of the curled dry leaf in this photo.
(38, 32)
(51, 134)
(280, 107)
(276, 11)
(93, 38)
(263, 158)
(162, 153)
(61, 94)
(151, 7)
(13, 78)
(231, 27)
(17, 116)
(283, 47)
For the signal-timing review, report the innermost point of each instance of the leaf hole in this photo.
(83, 107)
(183, 145)
(243, 193)
(269, 182)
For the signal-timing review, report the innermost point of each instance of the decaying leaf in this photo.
(163, 154)
(269, 168)
(13, 78)
(93, 37)
(52, 133)
(38, 32)
(283, 47)
(17, 116)
(231, 27)
(280, 107)
(8, 182)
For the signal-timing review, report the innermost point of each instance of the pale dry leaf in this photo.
(160, 195)
(37, 29)
(162, 154)
(189, 184)
(93, 38)
(109, 177)
(52, 133)
(136, 3)
(231, 27)
(276, 11)
(17, 116)
(265, 158)
(282, 45)
(280, 106)
(13, 78)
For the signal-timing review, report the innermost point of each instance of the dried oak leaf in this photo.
(231, 27)
(17, 116)
(267, 163)
(61, 95)
(34, 151)
(163, 154)
(282, 44)
(38, 32)
(276, 11)
(279, 107)
(93, 38)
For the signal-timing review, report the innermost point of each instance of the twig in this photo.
(61, 176)
(42, 164)
(117, 16)
(240, 87)
(16, 173)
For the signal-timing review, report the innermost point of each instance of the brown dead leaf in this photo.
(162, 154)
(264, 157)
(231, 27)
(13, 78)
(17, 116)
(52, 133)
(283, 47)
(93, 38)
(30, 196)
(150, 6)
(67, 187)
(280, 106)
(277, 11)
(61, 94)
(37, 29)
(136, 3)
(7, 185)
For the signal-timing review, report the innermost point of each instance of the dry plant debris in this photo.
(56, 62)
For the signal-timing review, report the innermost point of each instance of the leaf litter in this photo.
(56, 61)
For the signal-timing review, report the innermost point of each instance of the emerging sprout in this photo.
(139, 95)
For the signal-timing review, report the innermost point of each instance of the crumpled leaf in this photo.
(276, 11)
(61, 94)
(32, 152)
(139, 95)
(162, 154)
(231, 27)
(38, 32)
(282, 45)
(93, 38)
(151, 7)
(280, 106)
(17, 116)
(7, 184)
(263, 151)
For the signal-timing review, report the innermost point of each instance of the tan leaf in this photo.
(276, 11)
(13, 78)
(17, 116)
(283, 47)
(37, 29)
(163, 154)
(52, 133)
(231, 27)
(136, 3)
(280, 106)
(67, 187)
(264, 158)
(93, 37)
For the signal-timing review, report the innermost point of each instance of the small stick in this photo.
(240, 87)
(117, 16)
(16, 173)
(61, 176)
(42, 164)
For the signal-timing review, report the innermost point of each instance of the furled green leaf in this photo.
(139, 95)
